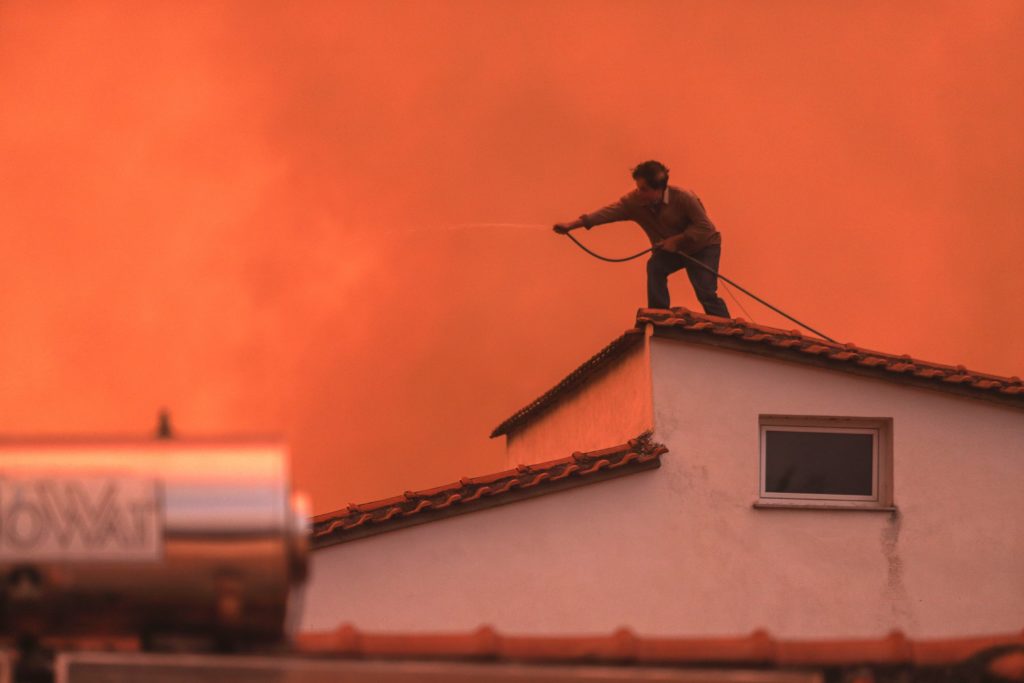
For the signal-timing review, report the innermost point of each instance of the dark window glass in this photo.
(818, 462)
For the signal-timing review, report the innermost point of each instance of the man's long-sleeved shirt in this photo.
(678, 213)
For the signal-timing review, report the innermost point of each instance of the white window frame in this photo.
(881, 461)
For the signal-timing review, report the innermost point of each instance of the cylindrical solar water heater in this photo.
(165, 537)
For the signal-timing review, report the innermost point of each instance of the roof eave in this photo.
(477, 493)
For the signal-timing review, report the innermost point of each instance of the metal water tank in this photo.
(162, 537)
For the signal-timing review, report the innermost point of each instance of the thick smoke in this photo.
(244, 212)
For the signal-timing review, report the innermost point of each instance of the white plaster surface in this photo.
(613, 407)
(680, 550)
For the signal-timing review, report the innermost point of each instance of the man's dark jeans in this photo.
(705, 284)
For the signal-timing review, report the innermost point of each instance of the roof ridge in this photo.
(741, 335)
(691, 322)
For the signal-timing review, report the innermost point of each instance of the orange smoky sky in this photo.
(264, 216)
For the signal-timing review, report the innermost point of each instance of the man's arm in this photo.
(613, 212)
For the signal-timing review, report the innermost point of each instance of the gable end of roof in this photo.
(573, 381)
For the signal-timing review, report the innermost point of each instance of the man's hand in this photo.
(564, 228)
(670, 243)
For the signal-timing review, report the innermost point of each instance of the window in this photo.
(825, 462)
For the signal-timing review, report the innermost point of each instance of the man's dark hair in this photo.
(654, 174)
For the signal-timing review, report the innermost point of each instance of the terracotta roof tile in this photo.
(796, 346)
(744, 336)
(471, 493)
(969, 660)
(1001, 653)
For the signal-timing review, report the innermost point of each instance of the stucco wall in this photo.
(614, 406)
(680, 550)
(951, 561)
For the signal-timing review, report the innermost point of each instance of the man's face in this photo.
(647, 193)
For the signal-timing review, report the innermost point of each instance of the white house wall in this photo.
(680, 551)
(950, 562)
(565, 562)
(615, 406)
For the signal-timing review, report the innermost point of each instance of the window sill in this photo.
(815, 505)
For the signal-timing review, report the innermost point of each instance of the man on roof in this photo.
(676, 223)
